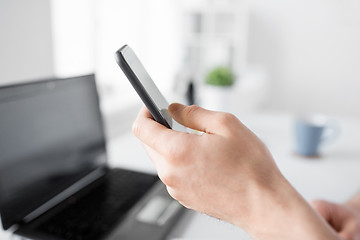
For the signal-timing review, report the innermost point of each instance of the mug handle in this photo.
(331, 133)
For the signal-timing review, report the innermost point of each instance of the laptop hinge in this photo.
(91, 177)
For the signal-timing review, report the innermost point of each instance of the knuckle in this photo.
(226, 119)
(190, 111)
(136, 129)
(173, 193)
(185, 204)
(175, 154)
(174, 160)
(168, 179)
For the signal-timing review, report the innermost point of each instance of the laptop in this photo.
(55, 182)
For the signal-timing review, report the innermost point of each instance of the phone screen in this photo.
(144, 85)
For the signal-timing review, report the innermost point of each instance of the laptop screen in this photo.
(51, 135)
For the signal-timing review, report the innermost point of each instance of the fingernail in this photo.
(175, 107)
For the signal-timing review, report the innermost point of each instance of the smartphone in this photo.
(144, 85)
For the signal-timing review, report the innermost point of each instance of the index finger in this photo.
(154, 134)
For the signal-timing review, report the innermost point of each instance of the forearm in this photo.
(282, 213)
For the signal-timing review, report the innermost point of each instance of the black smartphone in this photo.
(144, 85)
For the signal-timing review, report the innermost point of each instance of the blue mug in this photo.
(312, 132)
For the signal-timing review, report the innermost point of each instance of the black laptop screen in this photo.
(51, 135)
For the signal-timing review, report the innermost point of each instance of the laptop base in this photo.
(104, 211)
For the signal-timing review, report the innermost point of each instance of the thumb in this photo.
(195, 117)
(323, 208)
(330, 212)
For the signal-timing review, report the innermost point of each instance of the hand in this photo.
(227, 173)
(344, 218)
(205, 172)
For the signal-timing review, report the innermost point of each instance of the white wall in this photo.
(25, 40)
(73, 30)
(43, 38)
(311, 49)
(150, 28)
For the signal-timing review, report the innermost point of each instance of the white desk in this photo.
(335, 176)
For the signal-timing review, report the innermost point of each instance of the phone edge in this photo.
(139, 88)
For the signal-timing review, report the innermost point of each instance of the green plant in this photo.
(220, 76)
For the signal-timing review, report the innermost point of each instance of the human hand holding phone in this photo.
(227, 173)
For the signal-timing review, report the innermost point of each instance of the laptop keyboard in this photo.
(94, 215)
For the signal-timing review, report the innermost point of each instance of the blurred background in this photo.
(265, 61)
(297, 56)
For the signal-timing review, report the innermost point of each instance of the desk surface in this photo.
(334, 176)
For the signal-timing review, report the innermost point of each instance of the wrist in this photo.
(281, 213)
